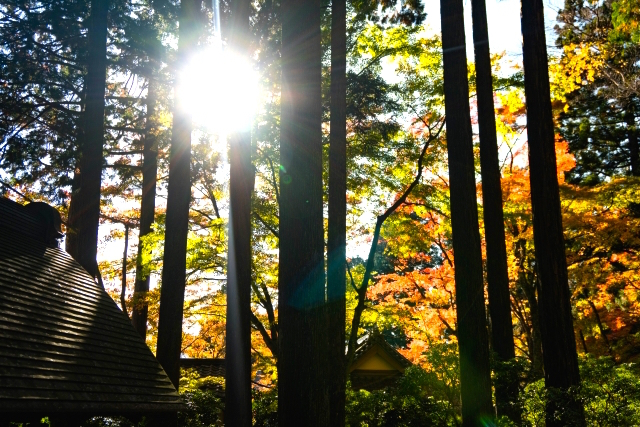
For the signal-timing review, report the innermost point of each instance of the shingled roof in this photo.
(376, 364)
(205, 367)
(376, 338)
(65, 346)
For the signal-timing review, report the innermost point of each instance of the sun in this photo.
(220, 90)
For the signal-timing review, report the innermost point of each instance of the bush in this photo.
(204, 409)
(610, 394)
(408, 404)
(265, 408)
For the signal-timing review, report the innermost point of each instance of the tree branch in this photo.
(267, 226)
(362, 290)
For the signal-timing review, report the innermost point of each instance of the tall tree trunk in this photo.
(177, 219)
(473, 341)
(535, 344)
(123, 289)
(303, 399)
(71, 232)
(238, 327)
(147, 208)
(497, 270)
(86, 203)
(558, 340)
(337, 238)
(632, 135)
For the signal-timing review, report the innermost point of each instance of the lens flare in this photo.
(219, 89)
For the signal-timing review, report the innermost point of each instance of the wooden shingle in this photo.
(65, 346)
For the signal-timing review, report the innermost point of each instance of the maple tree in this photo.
(397, 200)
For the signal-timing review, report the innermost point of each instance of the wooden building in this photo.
(376, 363)
(67, 351)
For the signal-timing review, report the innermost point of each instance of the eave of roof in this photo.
(205, 367)
(64, 344)
(376, 338)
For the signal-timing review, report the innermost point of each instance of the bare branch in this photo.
(266, 225)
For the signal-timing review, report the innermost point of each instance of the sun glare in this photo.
(220, 90)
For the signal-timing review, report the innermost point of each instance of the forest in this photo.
(270, 182)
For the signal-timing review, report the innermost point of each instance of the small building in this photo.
(376, 364)
(67, 352)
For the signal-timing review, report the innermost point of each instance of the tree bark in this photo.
(86, 205)
(497, 270)
(303, 398)
(140, 307)
(177, 217)
(556, 324)
(123, 289)
(535, 346)
(238, 327)
(71, 232)
(632, 135)
(600, 326)
(473, 341)
(337, 238)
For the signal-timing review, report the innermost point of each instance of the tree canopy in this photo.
(384, 85)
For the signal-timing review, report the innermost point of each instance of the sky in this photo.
(504, 36)
(503, 18)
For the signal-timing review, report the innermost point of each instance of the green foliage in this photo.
(204, 409)
(598, 72)
(265, 407)
(625, 16)
(410, 403)
(113, 422)
(610, 394)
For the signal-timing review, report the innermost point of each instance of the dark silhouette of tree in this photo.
(632, 137)
(238, 327)
(177, 219)
(85, 203)
(147, 209)
(556, 324)
(497, 270)
(337, 239)
(42, 64)
(473, 342)
(303, 398)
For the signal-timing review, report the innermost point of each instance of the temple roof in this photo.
(376, 341)
(65, 346)
(376, 364)
(205, 367)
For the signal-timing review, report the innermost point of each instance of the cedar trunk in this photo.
(558, 340)
(473, 341)
(86, 203)
(177, 219)
(147, 209)
(337, 240)
(303, 399)
(71, 232)
(238, 327)
(632, 135)
(497, 269)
